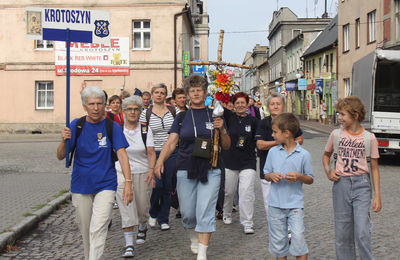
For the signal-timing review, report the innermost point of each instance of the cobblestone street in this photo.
(30, 175)
(58, 236)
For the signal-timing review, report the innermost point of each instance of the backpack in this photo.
(109, 129)
(367, 144)
(171, 109)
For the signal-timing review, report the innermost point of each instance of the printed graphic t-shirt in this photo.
(93, 168)
(351, 153)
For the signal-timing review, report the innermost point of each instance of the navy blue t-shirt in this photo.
(93, 169)
(264, 132)
(240, 158)
(204, 126)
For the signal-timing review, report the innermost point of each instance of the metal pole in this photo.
(67, 96)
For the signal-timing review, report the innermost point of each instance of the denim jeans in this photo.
(278, 221)
(160, 200)
(198, 200)
(351, 203)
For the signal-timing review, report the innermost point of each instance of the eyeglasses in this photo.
(130, 110)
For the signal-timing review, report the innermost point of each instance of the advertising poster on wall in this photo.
(94, 58)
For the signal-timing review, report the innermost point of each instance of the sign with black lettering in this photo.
(91, 26)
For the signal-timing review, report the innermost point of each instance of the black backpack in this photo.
(150, 110)
(109, 129)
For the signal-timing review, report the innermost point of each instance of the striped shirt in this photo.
(159, 126)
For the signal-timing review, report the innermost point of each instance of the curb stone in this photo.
(30, 222)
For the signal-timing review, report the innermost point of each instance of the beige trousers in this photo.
(93, 214)
(136, 212)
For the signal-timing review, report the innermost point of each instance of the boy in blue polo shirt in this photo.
(288, 166)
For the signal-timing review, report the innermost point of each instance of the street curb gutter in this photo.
(322, 131)
(30, 222)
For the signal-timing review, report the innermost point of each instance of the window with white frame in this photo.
(346, 37)
(397, 15)
(357, 33)
(196, 48)
(372, 26)
(141, 34)
(43, 45)
(44, 95)
(347, 88)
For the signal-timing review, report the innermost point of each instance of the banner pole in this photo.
(68, 41)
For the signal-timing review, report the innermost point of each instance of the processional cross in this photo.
(220, 65)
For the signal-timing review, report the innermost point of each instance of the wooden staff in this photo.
(220, 43)
(215, 150)
(214, 158)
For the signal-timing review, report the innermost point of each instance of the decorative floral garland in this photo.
(221, 84)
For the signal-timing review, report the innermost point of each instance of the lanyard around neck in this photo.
(194, 124)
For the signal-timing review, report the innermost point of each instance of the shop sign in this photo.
(326, 75)
(185, 65)
(92, 59)
(290, 86)
(302, 84)
(310, 86)
(319, 86)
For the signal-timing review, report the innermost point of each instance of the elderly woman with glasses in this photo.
(198, 181)
(142, 158)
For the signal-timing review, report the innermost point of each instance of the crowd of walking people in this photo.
(147, 152)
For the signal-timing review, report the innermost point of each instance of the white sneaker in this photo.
(248, 230)
(164, 226)
(152, 222)
(227, 220)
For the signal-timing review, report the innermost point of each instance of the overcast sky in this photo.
(240, 18)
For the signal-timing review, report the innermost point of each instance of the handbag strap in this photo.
(194, 124)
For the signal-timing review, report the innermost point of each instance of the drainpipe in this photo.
(185, 10)
(336, 47)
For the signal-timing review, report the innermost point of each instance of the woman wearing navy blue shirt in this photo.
(197, 181)
(240, 162)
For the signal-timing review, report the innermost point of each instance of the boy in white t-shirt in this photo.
(352, 189)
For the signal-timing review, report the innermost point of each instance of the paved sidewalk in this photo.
(317, 126)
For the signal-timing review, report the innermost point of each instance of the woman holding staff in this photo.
(197, 180)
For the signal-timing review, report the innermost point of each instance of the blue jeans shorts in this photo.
(278, 221)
